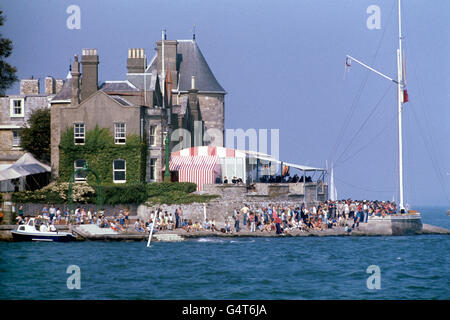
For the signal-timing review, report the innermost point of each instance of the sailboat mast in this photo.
(400, 99)
(163, 36)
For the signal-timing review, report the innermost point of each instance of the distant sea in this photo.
(411, 267)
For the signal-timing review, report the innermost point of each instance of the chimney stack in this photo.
(58, 85)
(29, 86)
(75, 81)
(170, 59)
(89, 81)
(50, 85)
(136, 62)
(193, 101)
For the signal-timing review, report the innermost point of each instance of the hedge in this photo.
(123, 194)
(113, 194)
(156, 189)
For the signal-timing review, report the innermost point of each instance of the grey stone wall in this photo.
(32, 209)
(234, 197)
(8, 152)
(99, 109)
(29, 86)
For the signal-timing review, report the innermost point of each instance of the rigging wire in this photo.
(364, 122)
(427, 134)
(383, 130)
(364, 189)
(431, 152)
(358, 94)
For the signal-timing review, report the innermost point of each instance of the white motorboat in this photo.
(40, 230)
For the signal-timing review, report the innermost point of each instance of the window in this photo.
(119, 133)
(16, 138)
(153, 169)
(152, 136)
(119, 171)
(78, 164)
(79, 133)
(16, 107)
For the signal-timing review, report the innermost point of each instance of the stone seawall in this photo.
(30, 209)
(131, 235)
(217, 209)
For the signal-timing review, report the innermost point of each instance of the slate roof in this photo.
(141, 80)
(192, 63)
(66, 91)
(121, 100)
(118, 86)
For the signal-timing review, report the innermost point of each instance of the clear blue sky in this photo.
(282, 64)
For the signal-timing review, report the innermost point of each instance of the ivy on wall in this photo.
(99, 150)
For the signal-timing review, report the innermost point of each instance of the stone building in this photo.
(175, 90)
(15, 111)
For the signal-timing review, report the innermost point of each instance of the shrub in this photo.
(156, 189)
(123, 194)
(56, 193)
(113, 194)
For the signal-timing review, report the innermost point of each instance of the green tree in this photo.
(7, 72)
(35, 135)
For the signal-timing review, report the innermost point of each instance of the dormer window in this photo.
(16, 107)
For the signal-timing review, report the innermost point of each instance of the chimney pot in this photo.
(136, 62)
(50, 85)
(89, 83)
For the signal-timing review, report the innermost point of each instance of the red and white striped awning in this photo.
(198, 169)
(221, 152)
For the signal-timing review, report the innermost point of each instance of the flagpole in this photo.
(163, 68)
(399, 103)
(151, 233)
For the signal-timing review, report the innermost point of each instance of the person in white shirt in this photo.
(52, 228)
(346, 210)
(89, 216)
(43, 228)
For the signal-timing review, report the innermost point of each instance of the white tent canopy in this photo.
(26, 165)
(263, 156)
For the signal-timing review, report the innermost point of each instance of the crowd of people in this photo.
(267, 179)
(348, 214)
(55, 216)
(284, 219)
(168, 221)
(285, 179)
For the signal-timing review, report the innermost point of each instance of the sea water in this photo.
(411, 267)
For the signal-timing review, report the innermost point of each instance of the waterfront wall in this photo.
(310, 192)
(31, 209)
(218, 209)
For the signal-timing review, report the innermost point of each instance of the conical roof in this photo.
(191, 62)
